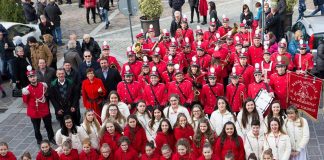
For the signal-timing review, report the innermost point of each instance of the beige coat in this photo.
(299, 136)
(41, 52)
(253, 144)
(75, 138)
(281, 146)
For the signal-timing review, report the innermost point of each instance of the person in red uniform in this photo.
(234, 57)
(199, 38)
(210, 35)
(244, 70)
(203, 8)
(155, 92)
(151, 35)
(129, 90)
(223, 30)
(112, 61)
(258, 84)
(229, 140)
(93, 92)
(47, 152)
(168, 75)
(303, 61)
(177, 57)
(144, 77)
(235, 92)
(133, 63)
(255, 51)
(204, 59)
(244, 34)
(184, 31)
(136, 134)
(181, 87)
(210, 92)
(219, 67)
(165, 44)
(164, 135)
(229, 45)
(279, 82)
(125, 151)
(188, 51)
(157, 61)
(282, 51)
(33, 96)
(267, 66)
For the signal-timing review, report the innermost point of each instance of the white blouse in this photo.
(254, 144)
(75, 138)
(299, 136)
(123, 108)
(218, 120)
(171, 115)
(93, 136)
(280, 145)
(241, 131)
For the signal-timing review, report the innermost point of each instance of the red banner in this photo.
(305, 93)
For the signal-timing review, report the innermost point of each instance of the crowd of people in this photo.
(189, 96)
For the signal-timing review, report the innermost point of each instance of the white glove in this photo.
(25, 91)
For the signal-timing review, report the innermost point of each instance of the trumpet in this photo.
(234, 31)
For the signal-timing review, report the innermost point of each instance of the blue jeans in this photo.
(8, 68)
(58, 35)
(105, 15)
(319, 8)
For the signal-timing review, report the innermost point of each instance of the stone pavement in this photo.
(15, 126)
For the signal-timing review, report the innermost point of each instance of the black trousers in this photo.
(93, 11)
(193, 9)
(48, 126)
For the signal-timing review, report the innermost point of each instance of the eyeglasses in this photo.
(87, 56)
(257, 75)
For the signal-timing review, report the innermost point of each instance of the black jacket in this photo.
(318, 2)
(113, 78)
(93, 47)
(83, 67)
(46, 28)
(40, 8)
(174, 26)
(104, 4)
(176, 4)
(193, 3)
(320, 56)
(272, 24)
(248, 18)
(30, 12)
(6, 53)
(3, 30)
(52, 13)
(21, 64)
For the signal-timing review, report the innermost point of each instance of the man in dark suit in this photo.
(109, 76)
(87, 63)
(272, 22)
(63, 97)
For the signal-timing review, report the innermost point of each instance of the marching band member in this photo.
(229, 43)
(255, 51)
(184, 31)
(135, 65)
(203, 58)
(244, 34)
(297, 129)
(210, 35)
(267, 66)
(222, 114)
(254, 140)
(277, 140)
(278, 82)
(111, 59)
(129, 90)
(165, 43)
(246, 116)
(235, 92)
(188, 51)
(244, 70)
(303, 61)
(258, 84)
(158, 62)
(203, 134)
(219, 68)
(171, 112)
(275, 112)
(210, 92)
(136, 134)
(181, 87)
(177, 57)
(168, 75)
(144, 76)
(223, 30)
(164, 135)
(234, 57)
(155, 92)
(229, 140)
(282, 51)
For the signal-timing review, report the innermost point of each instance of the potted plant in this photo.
(151, 11)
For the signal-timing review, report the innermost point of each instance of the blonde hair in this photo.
(87, 123)
(86, 141)
(297, 34)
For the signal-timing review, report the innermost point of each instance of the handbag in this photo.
(16, 92)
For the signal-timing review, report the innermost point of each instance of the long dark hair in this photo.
(192, 74)
(209, 134)
(245, 114)
(103, 129)
(212, 6)
(146, 110)
(228, 107)
(235, 136)
(111, 93)
(280, 126)
(64, 130)
(153, 117)
(245, 6)
(281, 113)
(137, 127)
(170, 131)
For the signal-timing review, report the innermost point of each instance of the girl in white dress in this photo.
(297, 129)
(154, 123)
(90, 129)
(275, 111)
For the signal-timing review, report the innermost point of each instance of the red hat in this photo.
(30, 71)
(170, 62)
(187, 42)
(225, 19)
(199, 31)
(166, 33)
(156, 51)
(281, 61)
(184, 19)
(200, 46)
(257, 34)
(140, 35)
(233, 74)
(257, 68)
(128, 71)
(282, 43)
(145, 62)
(243, 53)
(130, 51)
(151, 29)
(216, 53)
(238, 41)
(266, 47)
(194, 61)
(302, 44)
(212, 22)
(177, 69)
(105, 46)
(211, 73)
(219, 41)
(154, 72)
(173, 42)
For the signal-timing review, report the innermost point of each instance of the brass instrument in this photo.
(234, 31)
(196, 91)
(138, 49)
(157, 42)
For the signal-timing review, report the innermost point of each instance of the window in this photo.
(19, 30)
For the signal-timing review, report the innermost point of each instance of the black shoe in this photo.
(203, 23)
(107, 25)
(198, 20)
(3, 94)
(53, 141)
(191, 21)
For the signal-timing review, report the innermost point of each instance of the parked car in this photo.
(313, 30)
(16, 30)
